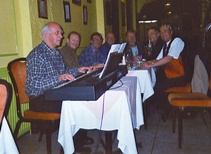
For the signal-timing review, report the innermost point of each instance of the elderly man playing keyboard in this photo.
(46, 70)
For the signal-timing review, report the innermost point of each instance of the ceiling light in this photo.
(167, 4)
(147, 21)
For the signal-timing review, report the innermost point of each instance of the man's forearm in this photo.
(155, 62)
(162, 61)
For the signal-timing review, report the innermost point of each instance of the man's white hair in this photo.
(45, 28)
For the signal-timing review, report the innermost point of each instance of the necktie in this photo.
(165, 50)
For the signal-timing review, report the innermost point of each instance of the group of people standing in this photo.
(48, 67)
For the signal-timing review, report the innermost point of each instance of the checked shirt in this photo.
(44, 65)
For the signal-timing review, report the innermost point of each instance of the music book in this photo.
(114, 58)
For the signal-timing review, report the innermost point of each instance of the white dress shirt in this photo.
(175, 49)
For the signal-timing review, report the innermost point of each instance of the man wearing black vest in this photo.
(171, 70)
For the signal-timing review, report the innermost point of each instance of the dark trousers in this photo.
(39, 104)
(163, 83)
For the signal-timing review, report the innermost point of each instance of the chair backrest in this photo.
(17, 73)
(200, 80)
(5, 98)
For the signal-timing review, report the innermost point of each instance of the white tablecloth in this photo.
(7, 143)
(147, 79)
(122, 112)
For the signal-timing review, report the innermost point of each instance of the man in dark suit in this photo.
(134, 49)
(156, 43)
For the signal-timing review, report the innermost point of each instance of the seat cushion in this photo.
(41, 115)
(189, 99)
(185, 89)
(179, 89)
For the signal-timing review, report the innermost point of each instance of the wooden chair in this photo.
(17, 73)
(184, 101)
(185, 89)
(5, 98)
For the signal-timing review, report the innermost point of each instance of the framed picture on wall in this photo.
(67, 16)
(76, 2)
(85, 14)
(42, 9)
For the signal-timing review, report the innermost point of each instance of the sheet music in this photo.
(117, 48)
(114, 48)
(122, 47)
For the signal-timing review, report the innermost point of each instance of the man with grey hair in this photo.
(46, 70)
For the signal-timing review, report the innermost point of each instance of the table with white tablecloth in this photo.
(7, 143)
(122, 111)
(147, 80)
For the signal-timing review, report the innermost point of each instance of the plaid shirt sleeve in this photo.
(43, 69)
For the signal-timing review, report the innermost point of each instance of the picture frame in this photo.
(89, 1)
(78, 2)
(42, 9)
(67, 16)
(85, 15)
